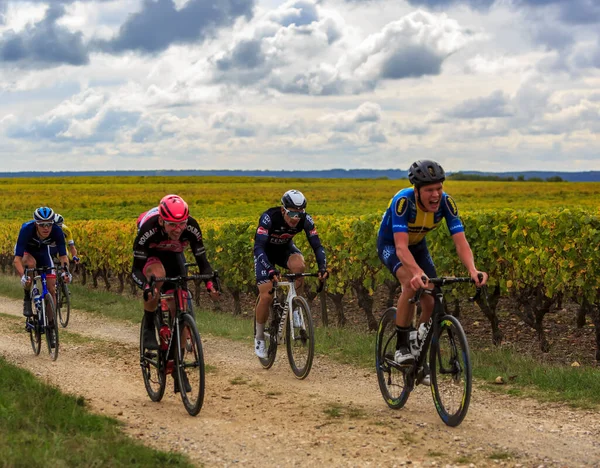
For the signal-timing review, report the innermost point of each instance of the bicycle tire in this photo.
(302, 350)
(153, 365)
(392, 381)
(189, 362)
(52, 328)
(35, 335)
(451, 386)
(270, 338)
(64, 303)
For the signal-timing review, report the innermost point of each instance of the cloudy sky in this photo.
(302, 84)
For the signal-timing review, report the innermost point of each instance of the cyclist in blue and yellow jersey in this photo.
(401, 245)
(60, 222)
(33, 250)
(273, 245)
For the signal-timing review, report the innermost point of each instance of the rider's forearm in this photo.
(18, 262)
(407, 259)
(73, 250)
(64, 259)
(465, 254)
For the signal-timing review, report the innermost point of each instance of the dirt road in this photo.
(268, 418)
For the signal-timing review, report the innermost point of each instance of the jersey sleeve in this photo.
(68, 235)
(313, 239)
(24, 235)
(140, 256)
(58, 236)
(450, 211)
(261, 238)
(399, 211)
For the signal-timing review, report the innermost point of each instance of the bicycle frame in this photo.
(287, 304)
(42, 278)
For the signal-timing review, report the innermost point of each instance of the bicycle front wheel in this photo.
(64, 304)
(52, 328)
(391, 379)
(153, 364)
(190, 365)
(300, 338)
(35, 336)
(451, 377)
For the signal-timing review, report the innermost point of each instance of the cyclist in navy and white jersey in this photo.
(33, 250)
(401, 245)
(158, 250)
(273, 246)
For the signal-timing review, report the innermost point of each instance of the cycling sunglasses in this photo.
(44, 225)
(293, 214)
(180, 224)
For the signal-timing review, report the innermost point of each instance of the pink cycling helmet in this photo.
(172, 208)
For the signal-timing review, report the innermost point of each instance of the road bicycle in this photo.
(180, 348)
(442, 340)
(295, 329)
(63, 299)
(43, 308)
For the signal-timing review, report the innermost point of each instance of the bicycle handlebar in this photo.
(446, 280)
(294, 276)
(184, 278)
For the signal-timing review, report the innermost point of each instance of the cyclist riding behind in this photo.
(273, 245)
(60, 222)
(33, 250)
(158, 251)
(401, 245)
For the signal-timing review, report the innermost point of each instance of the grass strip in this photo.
(43, 427)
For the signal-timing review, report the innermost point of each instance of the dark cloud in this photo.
(160, 24)
(246, 54)
(44, 44)
(412, 61)
(494, 105)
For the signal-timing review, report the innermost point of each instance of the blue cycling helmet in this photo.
(43, 214)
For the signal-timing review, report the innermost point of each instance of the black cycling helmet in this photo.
(425, 172)
(293, 200)
(43, 214)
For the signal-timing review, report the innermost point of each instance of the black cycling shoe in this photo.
(186, 382)
(150, 340)
(27, 310)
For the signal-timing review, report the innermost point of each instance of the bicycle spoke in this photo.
(300, 342)
(451, 372)
(190, 366)
(153, 366)
(392, 380)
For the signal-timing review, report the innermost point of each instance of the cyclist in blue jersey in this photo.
(274, 245)
(401, 245)
(33, 250)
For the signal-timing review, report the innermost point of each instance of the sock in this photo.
(402, 336)
(260, 331)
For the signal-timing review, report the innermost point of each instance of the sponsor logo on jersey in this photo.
(146, 236)
(313, 232)
(401, 206)
(195, 231)
(262, 231)
(451, 204)
(281, 238)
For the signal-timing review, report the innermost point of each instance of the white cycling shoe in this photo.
(260, 349)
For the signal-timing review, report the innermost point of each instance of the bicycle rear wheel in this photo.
(270, 337)
(153, 365)
(391, 379)
(52, 328)
(189, 362)
(450, 364)
(300, 347)
(64, 303)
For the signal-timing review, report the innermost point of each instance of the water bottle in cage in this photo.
(37, 299)
(414, 342)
